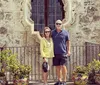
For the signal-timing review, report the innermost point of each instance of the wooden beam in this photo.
(46, 11)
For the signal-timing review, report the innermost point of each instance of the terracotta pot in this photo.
(21, 81)
(80, 79)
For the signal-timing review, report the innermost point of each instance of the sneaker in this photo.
(45, 84)
(61, 83)
(58, 83)
(64, 83)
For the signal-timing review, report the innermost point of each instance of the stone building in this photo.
(19, 24)
(17, 28)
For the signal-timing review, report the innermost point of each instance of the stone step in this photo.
(40, 83)
(50, 83)
(67, 83)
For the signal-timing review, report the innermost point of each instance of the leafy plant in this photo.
(80, 75)
(90, 72)
(20, 71)
(95, 64)
(93, 69)
(24, 71)
(80, 69)
(99, 54)
(4, 56)
(10, 63)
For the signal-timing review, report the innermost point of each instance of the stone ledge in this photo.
(40, 83)
(50, 83)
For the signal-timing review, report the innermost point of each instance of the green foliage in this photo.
(4, 55)
(99, 54)
(24, 71)
(20, 71)
(10, 60)
(95, 64)
(4, 58)
(80, 69)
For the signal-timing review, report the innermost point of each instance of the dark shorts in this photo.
(59, 60)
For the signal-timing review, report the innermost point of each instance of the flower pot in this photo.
(80, 79)
(2, 80)
(21, 81)
(97, 79)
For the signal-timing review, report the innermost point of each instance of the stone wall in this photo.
(14, 30)
(85, 18)
(82, 18)
(16, 27)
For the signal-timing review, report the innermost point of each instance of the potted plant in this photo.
(97, 78)
(9, 63)
(94, 72)
(80, 76)
(97, 75)
(19, 72)
(4, 55)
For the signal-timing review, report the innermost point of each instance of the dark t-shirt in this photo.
(59, 40)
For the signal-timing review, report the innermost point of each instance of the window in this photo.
(46, 12)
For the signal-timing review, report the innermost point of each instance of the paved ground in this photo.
(50, 83)
(68, 83)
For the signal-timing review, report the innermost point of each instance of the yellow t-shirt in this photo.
(46, 48)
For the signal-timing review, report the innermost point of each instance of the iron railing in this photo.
(30, 55)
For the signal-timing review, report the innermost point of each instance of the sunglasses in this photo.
(47, 31)
(58, 23)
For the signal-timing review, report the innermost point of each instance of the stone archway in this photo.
(35, 35)
(69, 19)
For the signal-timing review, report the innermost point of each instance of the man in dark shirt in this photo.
(61, 51)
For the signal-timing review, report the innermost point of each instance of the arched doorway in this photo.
(46, 12)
